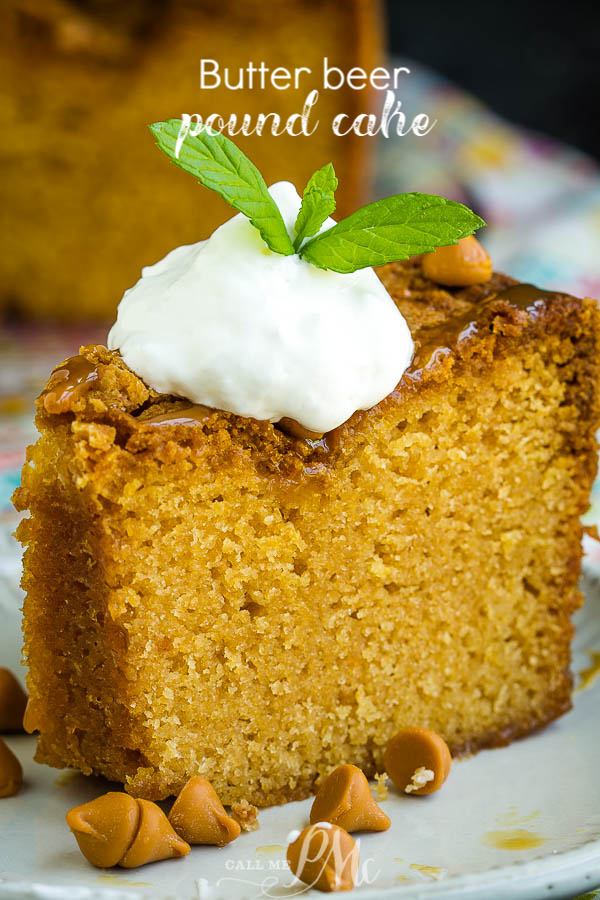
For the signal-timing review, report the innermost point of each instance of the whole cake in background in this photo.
(259, 597)
(79, 80)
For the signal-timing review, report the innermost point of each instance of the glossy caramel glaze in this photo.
(515, 839)
(295, 429)
(70, 380)
(187, 415)
(443, 323)
(433, 344)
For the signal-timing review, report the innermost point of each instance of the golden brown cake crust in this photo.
(440, 322)
(494, 423)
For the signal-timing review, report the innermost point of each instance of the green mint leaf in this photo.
(219, 165)
(318, 202)
(389, 230)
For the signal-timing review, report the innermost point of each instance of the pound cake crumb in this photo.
(381, 788)
(246, 815)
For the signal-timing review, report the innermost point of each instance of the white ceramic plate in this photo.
(522, 822)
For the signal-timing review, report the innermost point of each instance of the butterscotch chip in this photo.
(417, 760)
(198, 815)
(11, 773)
(155, 839)
(458, 265)
(105, 827)
(13, 701)
(325, 857)
(345, 799)
(246, 814)
(116, 830)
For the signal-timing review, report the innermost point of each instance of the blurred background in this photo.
(514, 87)
(536, 64)
(86, 199)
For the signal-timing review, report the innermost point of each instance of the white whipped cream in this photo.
(229, 324)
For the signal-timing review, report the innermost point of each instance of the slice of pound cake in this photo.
(208, 594)
(294, 507)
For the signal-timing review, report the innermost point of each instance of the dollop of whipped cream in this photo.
(229, 324)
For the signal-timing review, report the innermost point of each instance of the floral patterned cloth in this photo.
(541, 201)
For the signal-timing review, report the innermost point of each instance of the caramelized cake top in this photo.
(450, 326)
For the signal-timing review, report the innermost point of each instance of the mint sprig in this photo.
(385, 231)
(318, 202)
(389, 230)
(219, 165)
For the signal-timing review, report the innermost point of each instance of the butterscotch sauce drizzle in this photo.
(69, 381)
(515, 839)
(76, 375)
(192, 415)
(189, 415)
(588, 676)
(437, 342)
(295, 429)
(524, 296)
